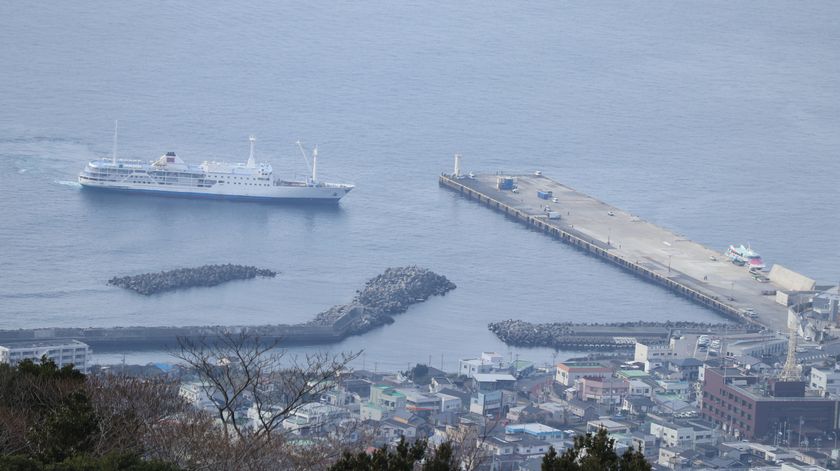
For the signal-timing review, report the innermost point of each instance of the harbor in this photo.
(656, 254)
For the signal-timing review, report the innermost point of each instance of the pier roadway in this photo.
(702, 274)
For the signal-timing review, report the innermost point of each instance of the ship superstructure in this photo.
(745, 256)
(171, 176)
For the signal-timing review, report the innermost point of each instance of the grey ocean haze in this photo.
(716, 119)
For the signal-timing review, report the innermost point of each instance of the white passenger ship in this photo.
(171, 176)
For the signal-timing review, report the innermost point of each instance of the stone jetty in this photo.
(207, 275)
(383, 296)
(610, 336)
(390, 293)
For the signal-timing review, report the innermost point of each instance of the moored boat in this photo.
(745, 256)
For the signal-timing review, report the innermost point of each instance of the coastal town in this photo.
(717, 400)
(420, 236)
(758, 390)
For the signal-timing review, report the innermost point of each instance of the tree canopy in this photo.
(49, 422)
(594, 453)
(402, 457)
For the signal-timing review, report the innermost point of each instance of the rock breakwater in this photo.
(608, 336)
(383, 296)
(207, 275)
(390, 293)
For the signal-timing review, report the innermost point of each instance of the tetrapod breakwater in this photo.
(388, 294)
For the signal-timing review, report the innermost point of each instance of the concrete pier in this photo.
(653, 253)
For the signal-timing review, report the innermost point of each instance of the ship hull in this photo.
(291, 195)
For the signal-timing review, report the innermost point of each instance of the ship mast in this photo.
(315, 165)
(114, 150)
(251, 162)
(305, 158)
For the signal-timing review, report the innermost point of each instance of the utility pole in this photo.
(800, 431)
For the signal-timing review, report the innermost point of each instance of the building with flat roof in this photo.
(63, 353)
(611, 426)
(313, 417)
(494, 381)
(537, 430)
(749, 408)
(420, 402)
(687, 434)
(603, 390)
(632, 374)
(485, 403)
(384, 401)
(571, 371)
(486, 363)
(658, 352)
(754, 344)
(825, 381)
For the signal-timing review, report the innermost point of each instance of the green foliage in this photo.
(19, 463)
(49, 423)
(401, 458)
(49, 370)
(594, 453)
(69, 429)
(420, 371)
(443, 459)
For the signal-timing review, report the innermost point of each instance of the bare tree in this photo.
(468, 442)
(322, 453)
(134, 411)
(239, 369)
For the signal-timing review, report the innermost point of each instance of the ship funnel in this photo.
(457, 172)
(251, 162)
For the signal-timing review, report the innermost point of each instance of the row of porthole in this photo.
(240, 183)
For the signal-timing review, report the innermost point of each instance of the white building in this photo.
(499, 446)
(755, 344)
(567, 373)
(652, 352)
(684, 435)
(639, 388)
(657, 353)
(418, 401)
(681, 389)
(487, 363)
(313, 417)
(825, 381)
(449, 403)
(63, 353)
(487, 403)
(196, 395)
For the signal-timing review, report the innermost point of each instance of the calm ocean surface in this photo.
(719, 120)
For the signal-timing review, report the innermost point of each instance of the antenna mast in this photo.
(303, 153)
(251, 162)
(114, 150)
(315, 165)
